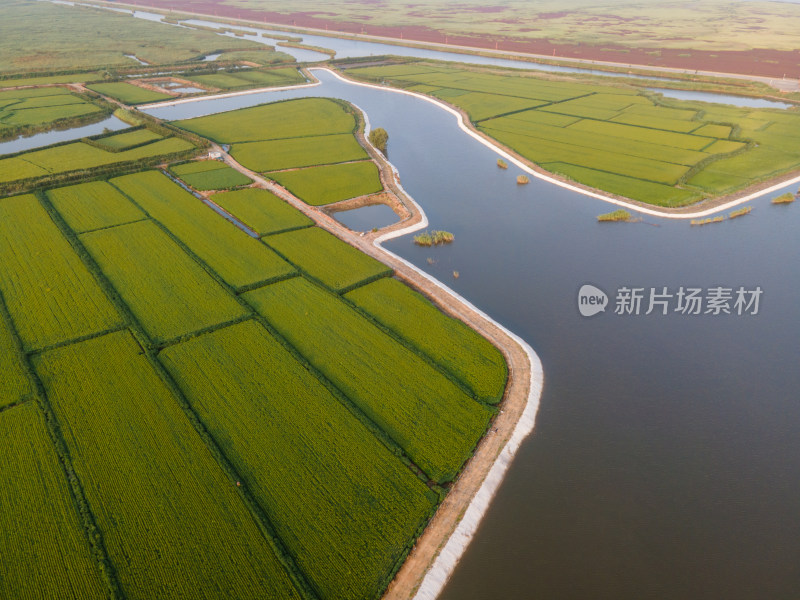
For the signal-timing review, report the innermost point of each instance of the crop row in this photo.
(274, 155)
(261, 210)
(168, 292)
(171, 519)
(324, 257)
(44, 548)
(448, 342)
(237, 258)
(425, 413)
(50, 294)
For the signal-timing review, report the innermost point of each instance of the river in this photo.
(665, 462)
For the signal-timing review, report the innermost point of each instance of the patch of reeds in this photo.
(617, 215)
(502, 164)
(522, 179)
(708, 221)
(740, 212)
(434, 238)
(786, 198)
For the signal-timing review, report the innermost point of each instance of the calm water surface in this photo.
(53, 137)
(367, 217)
(665, 462)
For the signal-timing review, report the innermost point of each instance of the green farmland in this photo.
(612, 137)
(66, 160)
(128, 93)
(209, 175)
(26, 111)
(196, 411)
(327, 184)
(45, 550)
(261, 210)
(246, 79)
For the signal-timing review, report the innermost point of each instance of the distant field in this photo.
(209, 175)
(30, 110)
(290, 119)
(250, 78)
(82, 156)
(28, 42)
(298, 152)
(659, 151)
(124, 141)
(704, 24)
(128, 93)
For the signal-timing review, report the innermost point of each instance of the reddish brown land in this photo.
(763, 62)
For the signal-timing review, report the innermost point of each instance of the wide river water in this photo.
(665, 462)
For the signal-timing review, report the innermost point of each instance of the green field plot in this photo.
(210, 175)
(299, 152)
(79, 156)
(653, 121)
(250, 78)
(642, 134)
(537, 117)
(48, 114)
(343, 504)
(261, 211)
(235, 256)
(585, 138)
(50, 294)
(173, 523)
(724, 147)
(44, 548)
(331, 183)
(629, 187)
(128, 93)
(295, 118)
(168, 292)
(130, 139)
(323, 256)
(617, 139)
(14, 384)
(542, 151)
(93, 205)
(87, 38)
(716, 131)
(223, 81)
(424, 412)
(460, 350)
(715, 182)
(480, 105)
(31, 110)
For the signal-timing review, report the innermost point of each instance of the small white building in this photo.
(215, 155)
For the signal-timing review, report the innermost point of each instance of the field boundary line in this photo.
(551, 178)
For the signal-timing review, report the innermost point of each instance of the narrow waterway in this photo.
(666, 457)
(39, 140)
